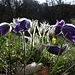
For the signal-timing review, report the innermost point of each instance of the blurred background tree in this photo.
(48, 11)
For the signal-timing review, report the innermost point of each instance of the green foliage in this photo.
(72, 21)
(11, 52)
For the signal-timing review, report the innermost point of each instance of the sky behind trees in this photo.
(66, 1)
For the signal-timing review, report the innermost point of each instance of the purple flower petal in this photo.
(22, 24)
(54, 49)
(62, 22)
(16, 30)
(69, 32)
(4, 29)
(73, 36)
(59, 25)
(58, 29)
(25, 25)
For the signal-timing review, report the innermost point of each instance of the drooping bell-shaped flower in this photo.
(4, 28)
(54, 49)
(69, 32)
(22, 24)
(59, 25)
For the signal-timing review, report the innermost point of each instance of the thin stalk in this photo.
(69, 68)
(57, 61)
(9, 72)
(24, 48)
(17, 55)
(32, 44)
(61, 47)
(42, 39)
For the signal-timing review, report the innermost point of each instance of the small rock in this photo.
(30, 68)
(43, 71)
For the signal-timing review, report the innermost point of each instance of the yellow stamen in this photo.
(53, 40)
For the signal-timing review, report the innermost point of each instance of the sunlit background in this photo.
(65, 1)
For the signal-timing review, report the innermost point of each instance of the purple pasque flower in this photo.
(69, 32)
(62, 22)
(4, 28)
(58, 28)
(22, 24)
(54, 49)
